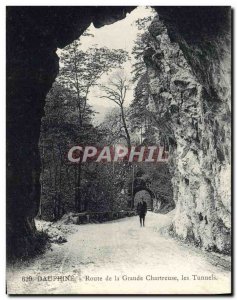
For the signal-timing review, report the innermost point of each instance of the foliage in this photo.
(81, 70)
(116, 91)
(68, 122)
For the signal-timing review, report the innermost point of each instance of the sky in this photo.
(120, 35)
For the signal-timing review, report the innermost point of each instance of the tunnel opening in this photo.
(143, 195)
(96, 99)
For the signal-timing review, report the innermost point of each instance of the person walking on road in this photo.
(142, 210)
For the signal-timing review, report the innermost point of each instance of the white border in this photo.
(3, 94)
(119, 3)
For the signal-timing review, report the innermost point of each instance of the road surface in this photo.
(120, 257)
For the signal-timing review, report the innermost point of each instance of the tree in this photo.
(68, 120)
(61, 181)
(141, 44)
(81, 70)
(116, 91)
(139, 114)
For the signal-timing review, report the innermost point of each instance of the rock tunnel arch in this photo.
(34, 34)
(143, 194)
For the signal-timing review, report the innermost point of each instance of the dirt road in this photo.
(120, 257)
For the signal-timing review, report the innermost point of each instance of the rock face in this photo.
(190, 83)
(33, 35)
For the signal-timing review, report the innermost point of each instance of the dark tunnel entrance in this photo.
(143, 195)
(153, 183)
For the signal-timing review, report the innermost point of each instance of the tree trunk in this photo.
(125, 127)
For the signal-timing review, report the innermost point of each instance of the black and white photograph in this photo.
(119, 150)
